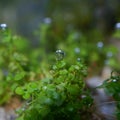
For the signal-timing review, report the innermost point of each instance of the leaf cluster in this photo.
(58, 97)
(112, 88)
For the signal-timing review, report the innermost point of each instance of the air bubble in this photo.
(100, 44)
(77, 50)
(83, 96)
(76, 35)
(114, 80)
(78, 59)
(60, 54)
(109, 54)
(47, 20)
(106, 62)
(3, 26)
(117, 26)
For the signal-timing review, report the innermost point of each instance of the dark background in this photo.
(24, 16)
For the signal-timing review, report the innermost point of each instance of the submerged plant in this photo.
(112, 88)
(61, 96)
(14, 68)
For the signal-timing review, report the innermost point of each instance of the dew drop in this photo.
(60, 54)
(3, 26)
(100, 44)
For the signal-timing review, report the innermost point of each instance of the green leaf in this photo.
(19, 90)
(26, 95)
(31, 87)
(20, 118)
(9, 77)
(76, 67)
(19, 57)
(71, 69)
(63, 72)
(54, 67)
(19, 76)
(44, 111)
(61, 64)
(73, 89)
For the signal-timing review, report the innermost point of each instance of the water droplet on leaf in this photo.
(60, 54)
